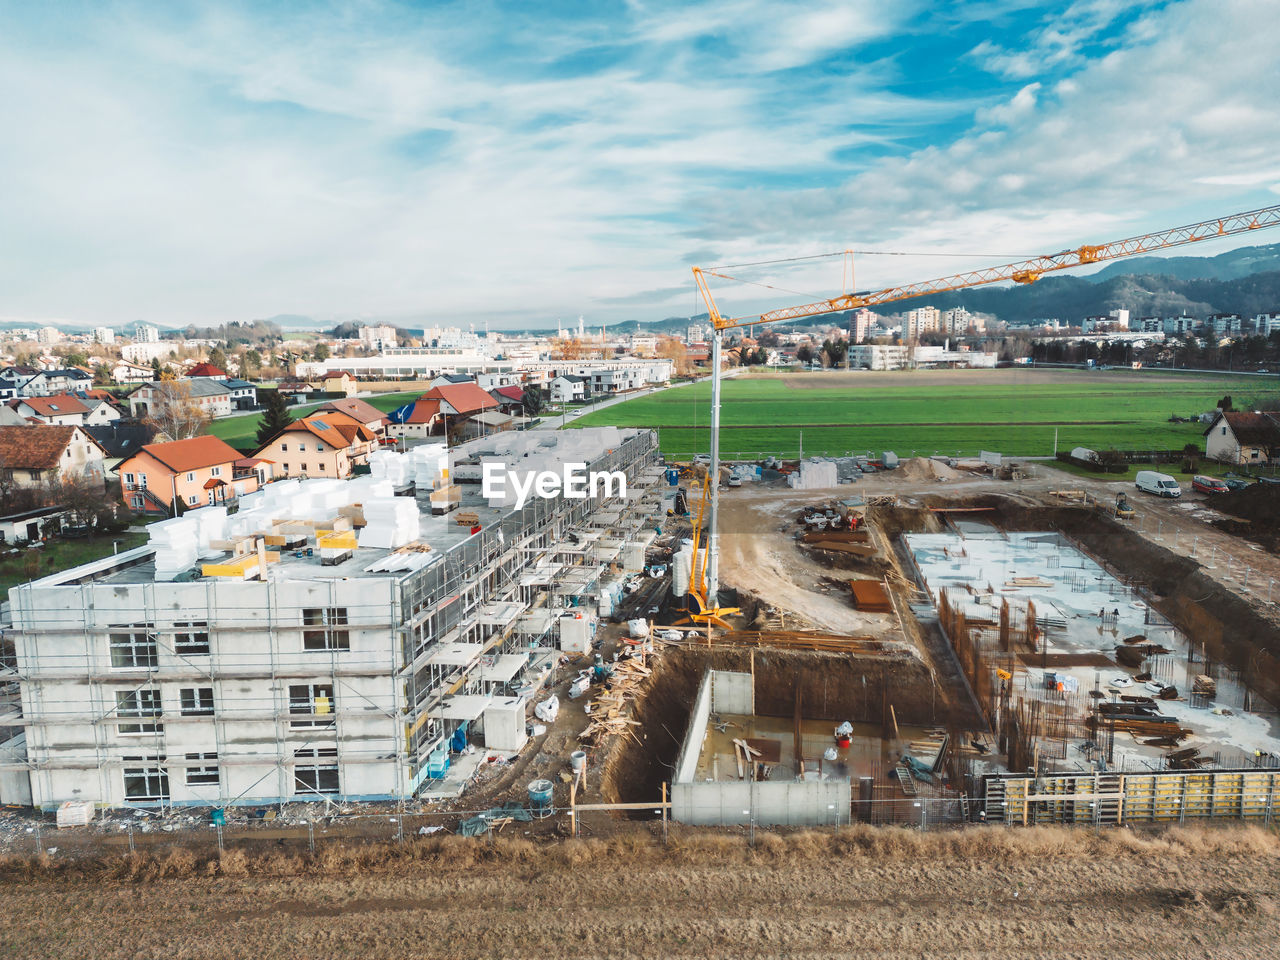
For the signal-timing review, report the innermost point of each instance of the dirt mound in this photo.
(1257, 503)
(1256, 514)
(922, 468)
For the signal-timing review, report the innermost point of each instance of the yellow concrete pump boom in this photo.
(1025, 271)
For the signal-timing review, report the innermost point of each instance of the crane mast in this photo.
(1025, 271)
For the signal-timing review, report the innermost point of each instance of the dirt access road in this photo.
(985, 892)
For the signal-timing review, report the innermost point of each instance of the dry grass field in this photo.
(862, 893)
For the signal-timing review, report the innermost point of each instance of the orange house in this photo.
(321, 445)
(199, 472)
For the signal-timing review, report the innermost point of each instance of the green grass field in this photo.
(58, 555)
(1014, 414)
(241, 432)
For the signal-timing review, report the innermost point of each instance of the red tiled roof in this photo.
(58, 405)
(424, 411)
(206, 370)
(37, 447)
(511, 393)
(334, 374)
(463, 397)
(337, 430)
(193, 454)
(355, 409)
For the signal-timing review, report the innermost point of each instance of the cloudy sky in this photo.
(518, 163)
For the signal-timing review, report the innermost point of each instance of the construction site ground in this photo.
(758, 523)
(863, 892)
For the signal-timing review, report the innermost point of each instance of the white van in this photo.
(1161, 484)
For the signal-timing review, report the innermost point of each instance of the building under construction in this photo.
(330, 639)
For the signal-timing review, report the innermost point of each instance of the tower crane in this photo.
(1025, 271)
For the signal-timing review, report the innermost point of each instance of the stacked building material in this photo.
(814, 475)
(390, 523)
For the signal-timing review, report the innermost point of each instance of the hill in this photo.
(1226, 266)
(1071, 298)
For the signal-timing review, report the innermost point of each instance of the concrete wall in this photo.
(811, 803)
(732, 693)
(687, 761)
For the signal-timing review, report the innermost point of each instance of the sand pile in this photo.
(922, 468)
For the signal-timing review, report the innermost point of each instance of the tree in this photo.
(217, 358)
(101, 375)
(250, 364)
(804, 353)
(275, 416)
(174, 412)
(532, 400)
(1225, 404)
(322, 351)
(155, 366)
(672, 349)
(87, 502)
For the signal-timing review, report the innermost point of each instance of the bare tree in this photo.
(87, 501)
(174, 412)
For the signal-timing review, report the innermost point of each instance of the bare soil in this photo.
(889, 892)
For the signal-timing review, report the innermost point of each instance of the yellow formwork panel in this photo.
(1227, 794)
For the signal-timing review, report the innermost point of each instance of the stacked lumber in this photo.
(799, 640)
(466, 518)
(610, 711)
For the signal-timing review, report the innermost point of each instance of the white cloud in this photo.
(1016, 109)
(373, 161)
(1141, 142)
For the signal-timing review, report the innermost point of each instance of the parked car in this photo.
(1236, 482)
(1204, 484)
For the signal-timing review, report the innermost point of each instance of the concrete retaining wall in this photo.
(812, 803)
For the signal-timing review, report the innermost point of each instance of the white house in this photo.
(566, 389)
(1243, 438)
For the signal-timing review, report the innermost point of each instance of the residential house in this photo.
(567, 388)
(40, 453)
(340, 381)
(321, 445)
(296, 389)
(206, 371)
(244, 395)
(211, 395)
(13, 379)
(422, 418)
(200, 471)
(120, 440)
(510, 399)
(359, 410)
(59, 410)
(60, 380)
(126, 372)
(1243, 438)
(31, 525)
(441, 409)
(452, 380)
